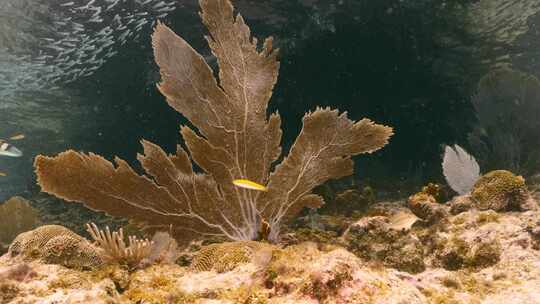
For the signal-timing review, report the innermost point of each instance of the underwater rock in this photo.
(492, 256)
(56, 244)
(456, 253)
(386, 208)
(302, 235)
(372, 238)
(501, 190)
(498, 259)
(347, 201)
(434, 190)
(19, 272)
(333, 277)
(48, 283)
(534, 231)
(425, 206)
(460, 204)
(478, 239)
(156, 284)
(328, 223)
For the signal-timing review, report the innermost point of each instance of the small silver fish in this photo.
(7, 149)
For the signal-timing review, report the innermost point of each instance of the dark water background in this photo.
(413, 65)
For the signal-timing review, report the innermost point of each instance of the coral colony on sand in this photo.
(215, 242)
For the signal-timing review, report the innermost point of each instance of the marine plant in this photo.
(115, 249)
(16, 216)
(507, 105)
(460, 169)
(234, 138)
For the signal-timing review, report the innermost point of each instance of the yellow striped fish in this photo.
(246, 183)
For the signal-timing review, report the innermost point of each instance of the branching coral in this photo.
(234, 139)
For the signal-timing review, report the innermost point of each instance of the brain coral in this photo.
(500, 190)
(56, 244)
(72, 252)
(227, 256)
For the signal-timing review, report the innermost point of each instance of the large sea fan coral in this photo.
(507, 105)
(234, 139)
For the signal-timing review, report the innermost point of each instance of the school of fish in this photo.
(67, 40)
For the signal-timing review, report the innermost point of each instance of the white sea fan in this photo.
(460, 169)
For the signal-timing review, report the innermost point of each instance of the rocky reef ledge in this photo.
(386, 255)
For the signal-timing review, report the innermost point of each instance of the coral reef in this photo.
(72, 252)
(474, 256)
(56, 245)
(16, 216)
(224, 257)
(501, 190)
(345, 201)
(424, 205)
(376, 239)
(460, 204)
(456, 253)
(234, 139)
(483, 247)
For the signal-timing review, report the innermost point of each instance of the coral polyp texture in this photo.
(54, 244)
(234, 138)
(226, 256)
(501, 190)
